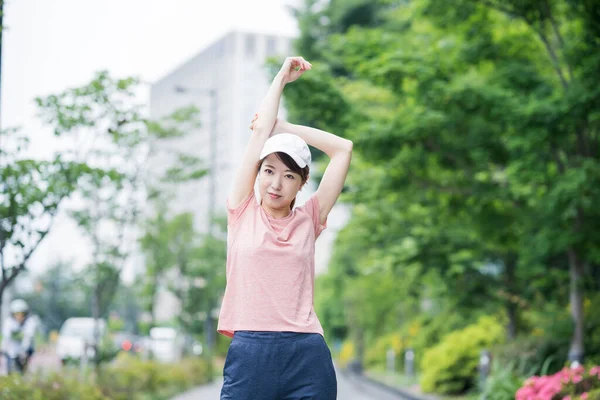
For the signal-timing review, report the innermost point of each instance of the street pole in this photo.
(1, 29)
(213, 161)
(3, 308)
(212, 193)
(211, 215)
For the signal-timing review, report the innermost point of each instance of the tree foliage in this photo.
(476, 165)
(104, 142)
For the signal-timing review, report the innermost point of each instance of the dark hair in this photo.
(291, 164)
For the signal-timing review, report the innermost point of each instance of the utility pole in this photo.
(210, 336)
(213, 161)
(212, 194)
(212, 156)
(3, 308)
(1, 30)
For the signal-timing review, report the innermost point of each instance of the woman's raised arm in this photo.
(339, 151)
(292, 69)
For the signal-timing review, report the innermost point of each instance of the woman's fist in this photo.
(293, 68)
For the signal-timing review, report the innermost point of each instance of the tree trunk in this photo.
(2, 287)
(512, 306)
(1, 29)
(576, 351)
(153, 300)
(513, 316)
(96, 317)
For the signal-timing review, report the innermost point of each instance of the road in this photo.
(348, 389)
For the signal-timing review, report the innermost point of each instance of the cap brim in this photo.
(295, 157)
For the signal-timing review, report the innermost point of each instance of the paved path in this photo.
(348, 389)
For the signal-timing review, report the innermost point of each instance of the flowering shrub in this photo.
(567, 384)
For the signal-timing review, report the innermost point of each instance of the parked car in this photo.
(166, 344)
(76, 338)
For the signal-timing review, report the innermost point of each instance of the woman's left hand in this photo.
(293, 68)
(277, 128)
(253, 121)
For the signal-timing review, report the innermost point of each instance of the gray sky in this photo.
(50, 45)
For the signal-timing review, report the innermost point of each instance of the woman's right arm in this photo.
(292, 69)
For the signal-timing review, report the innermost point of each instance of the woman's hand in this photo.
(293, 68)
(277, 128)
(253, 121)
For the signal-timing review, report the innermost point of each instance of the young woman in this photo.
(278, 350)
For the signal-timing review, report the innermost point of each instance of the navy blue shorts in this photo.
(278, 366)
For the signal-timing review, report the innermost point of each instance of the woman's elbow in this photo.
(348, 145)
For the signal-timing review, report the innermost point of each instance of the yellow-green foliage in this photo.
(376, 354)
(50, 387)
(128, 378)
(451, 366)
(346, 353)
(594, 395)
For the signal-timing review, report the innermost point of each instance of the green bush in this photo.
(49, 387)
(533, 353)
(451, 366)
(130, 378)
(504, 380)
(426, 331)
(376, 355)
(127, 378)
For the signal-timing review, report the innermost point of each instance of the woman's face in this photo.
(278, 185)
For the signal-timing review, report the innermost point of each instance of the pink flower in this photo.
(566, 398)
(583, 396)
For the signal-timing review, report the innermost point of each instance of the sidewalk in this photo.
(402, 386)
(211, 391)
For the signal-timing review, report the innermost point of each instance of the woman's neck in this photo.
(274, 213)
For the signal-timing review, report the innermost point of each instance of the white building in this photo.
(234, 67)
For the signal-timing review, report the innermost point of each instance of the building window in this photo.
(219, 49)
(271, 46)
(222, 48)
(250, 45)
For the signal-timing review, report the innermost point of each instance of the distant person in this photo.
(278, 349)
(18, 334)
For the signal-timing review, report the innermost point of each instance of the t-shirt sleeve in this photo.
(312, 208)
(233, 214)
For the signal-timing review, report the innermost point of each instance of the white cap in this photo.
(289, 144)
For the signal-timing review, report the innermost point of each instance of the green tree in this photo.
(107, 129)
(31, 192)
(475, 130)
(173, 247)
(58, 294)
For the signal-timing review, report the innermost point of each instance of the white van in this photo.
(166, 344)
(76, 336)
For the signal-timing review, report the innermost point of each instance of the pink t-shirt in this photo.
(270, 269)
